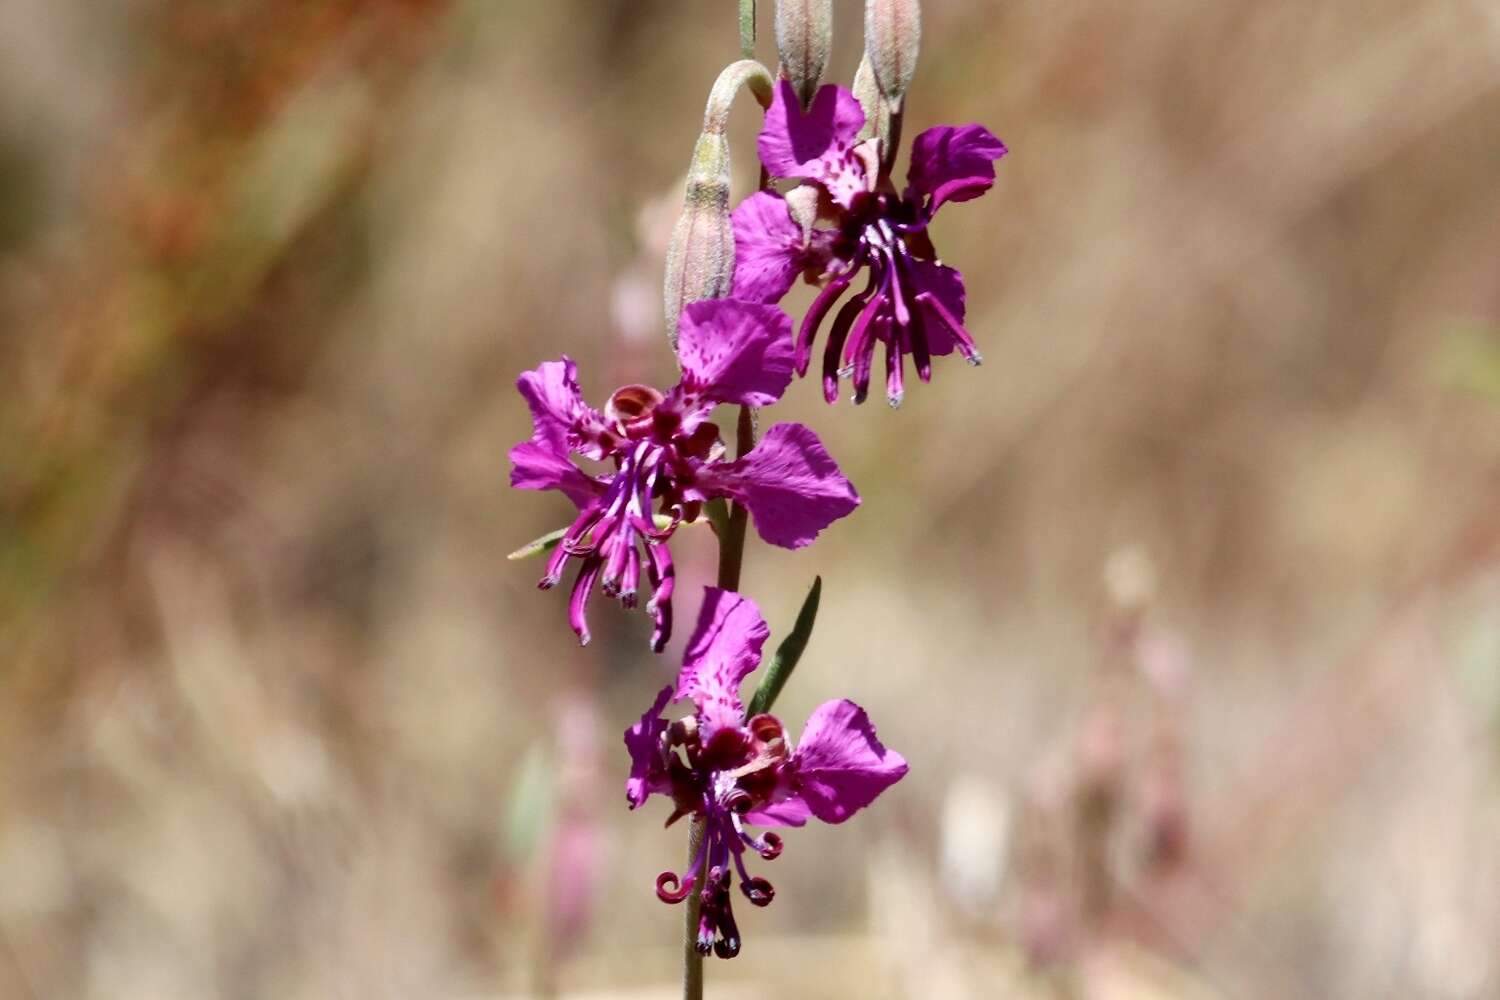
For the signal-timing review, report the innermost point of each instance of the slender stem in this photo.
(731, 561)
(747, 29)
(732, 545)
(692, 962)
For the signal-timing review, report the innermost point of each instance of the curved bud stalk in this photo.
(893, 34)
(700, 256)
(804, 34)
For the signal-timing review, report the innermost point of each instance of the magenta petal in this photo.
(791, 485)
(724, 648)
(947, 286)
(841, 766)
(788, 812)
(953, 163)
(648, 771)
(793, 141)
(552, 393)
(535, 466)
(768, 252)
(735, 352)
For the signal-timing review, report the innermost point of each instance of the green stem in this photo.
(732, 545)
(692, 962)
(747, 29)
(731, 561)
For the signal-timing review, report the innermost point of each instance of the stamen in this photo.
(662, 577)
(836, 338)
(574, 541)
(616, 556)
(705, 940)
(759, 891)
(771, 849)
(861, 346)
(898, 298)
(728, 946)
(893, 366)
(587, 541)
(649, 529)
(768, 845)
(578, 601)
(878, 329)
(916, 336)
(940, 312)
(671, 889)
(631, 578)
(815, 315)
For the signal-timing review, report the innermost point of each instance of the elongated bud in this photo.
(877, 111)
(893, 34)
(804, 34)
(700, 256)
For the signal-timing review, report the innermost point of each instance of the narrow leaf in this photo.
(537, 546)
(787, 654)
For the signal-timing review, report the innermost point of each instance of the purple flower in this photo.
(731, 772)
(911, 302)
(668, 457)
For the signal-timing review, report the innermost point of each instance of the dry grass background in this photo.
(1185, 607)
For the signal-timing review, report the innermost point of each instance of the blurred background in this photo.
(1185, 607)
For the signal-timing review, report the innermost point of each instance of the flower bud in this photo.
(804, 34)
(893, 33)
(700, 255)
(869, 96)
(867, 92)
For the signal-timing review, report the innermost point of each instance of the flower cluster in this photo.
(652, 460)
(729, 772)
(912, 302)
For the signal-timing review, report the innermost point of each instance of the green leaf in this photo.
(551, 539)
(787, 654)
(537, 546)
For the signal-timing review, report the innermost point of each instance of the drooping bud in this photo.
(700, 256)
(893, 34)
(804, 34)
